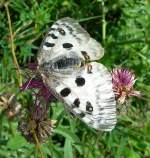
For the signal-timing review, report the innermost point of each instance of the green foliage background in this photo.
(123, 28)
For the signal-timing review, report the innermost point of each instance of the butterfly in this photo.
(66, 62)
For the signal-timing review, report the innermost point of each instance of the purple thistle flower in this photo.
(33, 66)
(37, 83)
(123, 81)
(37, 118)
(38, 112)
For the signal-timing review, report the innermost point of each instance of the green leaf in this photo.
(130, 153)
(4, 153)
(16, 142)
(67, 134)
(68, 153)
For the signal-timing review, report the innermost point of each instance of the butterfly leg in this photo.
(87, 60)
(89, 68)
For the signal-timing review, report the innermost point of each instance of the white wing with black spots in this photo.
(90, 97)
(87, 95)
(67, 36)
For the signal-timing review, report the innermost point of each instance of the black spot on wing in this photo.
(80, 81)
(81, 115)
(52, 29)
(64, 63)
(69, 28)
(47, 44)
(65, 92)
(53, 35)
(76, 103)
(72, 114)
(61, 31)
(89, 107)
(67, 45)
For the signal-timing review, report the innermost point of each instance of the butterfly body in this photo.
(64, 62)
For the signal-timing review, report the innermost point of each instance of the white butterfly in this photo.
(65, 63)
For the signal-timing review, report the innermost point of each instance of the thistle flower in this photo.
(36, 82)
(38, 123)
(123, 81)
(9, 104)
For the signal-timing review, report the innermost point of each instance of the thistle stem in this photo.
(37, 142)
(18, 72)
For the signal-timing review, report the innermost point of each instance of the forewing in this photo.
(67, 36)
(90, 97)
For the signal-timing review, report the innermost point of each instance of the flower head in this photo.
(123, 81)
(43, 90)
(9, 104)
(38, 123)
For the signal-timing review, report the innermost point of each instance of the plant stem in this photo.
(131, 41)
(89, 18)
(103, 23)
(11, 127)
(37, 142)
(38, 145)
(18, 72)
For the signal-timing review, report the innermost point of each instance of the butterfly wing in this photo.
(87, 95)
(67, 36)
(90, 97)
